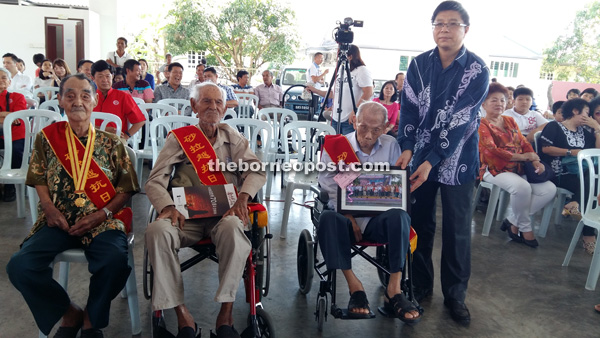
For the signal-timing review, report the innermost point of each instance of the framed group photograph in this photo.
(375, 191)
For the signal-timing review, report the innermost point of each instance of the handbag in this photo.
(571, 166)
(533, 177)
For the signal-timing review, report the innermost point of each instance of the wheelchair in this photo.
(308, 264)
(256, 277)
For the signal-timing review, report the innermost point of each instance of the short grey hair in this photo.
(270, 72)
(195, 92)
(373, 107)
(7, 72)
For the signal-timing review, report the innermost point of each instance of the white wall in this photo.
(106, 34)
(24, 31)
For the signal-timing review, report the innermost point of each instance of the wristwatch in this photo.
(109, 214)
(568, 152)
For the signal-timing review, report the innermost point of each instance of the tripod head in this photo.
(343, 35)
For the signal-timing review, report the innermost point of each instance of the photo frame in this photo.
(375, 191)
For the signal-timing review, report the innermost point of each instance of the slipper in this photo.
(67, 332)
(226, 331)
(400, 306)
(358, 300)
(597, 308)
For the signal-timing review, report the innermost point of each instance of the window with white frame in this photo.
(194, 58)
(504, 69)
(546, 76)
(405, 62)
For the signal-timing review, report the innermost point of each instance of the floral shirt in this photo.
(497, 146)
(439, 116)
(45, 169)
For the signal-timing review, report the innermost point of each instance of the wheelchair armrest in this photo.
(322, 195)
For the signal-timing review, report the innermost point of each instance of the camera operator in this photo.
(362, 88)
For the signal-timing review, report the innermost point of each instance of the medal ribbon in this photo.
(80, 170)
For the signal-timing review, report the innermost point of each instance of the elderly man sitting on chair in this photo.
(81, 205)
(336, 232)
(171, 231)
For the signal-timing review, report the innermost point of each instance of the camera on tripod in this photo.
(343, 34)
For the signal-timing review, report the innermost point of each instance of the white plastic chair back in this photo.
(157, 110)
(107, 118)
(31, 103)
(247, 104)
(50, 105)
(138, 100)
(25, 93)
(590, 210)
(182, 106)
(160, 128)
(536, 139)
(251, 129)
(230, 113)
(277, 117)
(34, 120)
(48, 92)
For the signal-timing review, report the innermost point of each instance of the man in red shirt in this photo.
(115, 101)
(11, 102)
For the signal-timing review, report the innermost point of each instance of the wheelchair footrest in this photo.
(343, 314)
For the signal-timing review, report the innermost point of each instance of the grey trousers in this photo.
(163, 242)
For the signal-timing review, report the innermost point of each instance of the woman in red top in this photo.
(502, 150)
(11, 102)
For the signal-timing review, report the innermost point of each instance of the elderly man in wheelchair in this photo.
(187, 152)
(336, 232)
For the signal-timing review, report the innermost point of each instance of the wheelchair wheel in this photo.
(305, 261)
(265, 324)
(263, 264)
(321, 313)
(381, 256)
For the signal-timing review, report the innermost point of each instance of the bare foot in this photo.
(225, 316)
(184, 317)
(597, 308)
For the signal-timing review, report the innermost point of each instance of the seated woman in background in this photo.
(503, 149)
(61, 70)
(44, 79)
(119, 75)
(388, 97)
(560, 142)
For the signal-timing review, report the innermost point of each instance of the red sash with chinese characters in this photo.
(98, 188)
(339, 149)
(200, 152)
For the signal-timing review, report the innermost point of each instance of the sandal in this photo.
(597, 308)
(67, 332)
(400, 306)
(589, 247)
(573, 212)
(358, 300)
(226, 331)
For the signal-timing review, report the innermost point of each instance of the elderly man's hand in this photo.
(240, 208)
(87, 223)
(54, 217)
(170, 212)
(355, 227)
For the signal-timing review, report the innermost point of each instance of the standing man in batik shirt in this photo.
(82, 206)
(443, 91)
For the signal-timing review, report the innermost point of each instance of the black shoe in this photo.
(188, 332)
(507, 226)
(531, 243)
(458, 311)
(10, 193)
(92, 333)
(421, 294)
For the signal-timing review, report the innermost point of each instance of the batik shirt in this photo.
(45, 169)
(439, 115)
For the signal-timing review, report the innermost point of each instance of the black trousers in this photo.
(455, 269)
(29, 271)
(335, 236)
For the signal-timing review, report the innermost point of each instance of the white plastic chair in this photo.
(182, 106)
(138, 100)
(230, 113)
(67, 257)
(304, 141)
(106, 118)
(31, 103)
(158, 109)
(252, 128)
(50, 105)
(247, 104)
(590, 211)
(34, 120)
(276, 117)
(160, 128)
(48, 92)
(25, 93)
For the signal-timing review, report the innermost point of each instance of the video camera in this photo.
(343, 34)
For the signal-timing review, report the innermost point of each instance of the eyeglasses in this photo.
(451, 26)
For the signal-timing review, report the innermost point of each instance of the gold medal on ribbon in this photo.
(80, 168)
